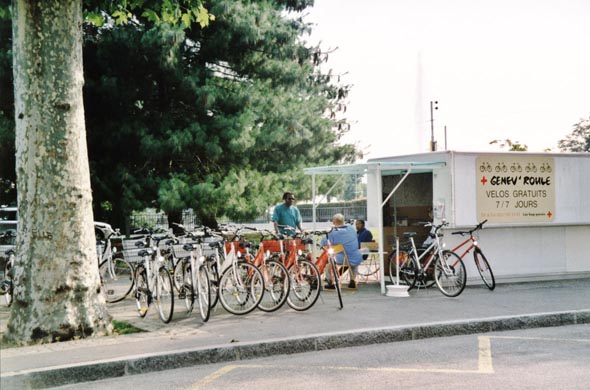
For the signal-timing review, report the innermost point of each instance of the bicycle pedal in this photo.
(143, 310)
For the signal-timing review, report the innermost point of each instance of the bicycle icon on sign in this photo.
(485, 167)
(545, 167)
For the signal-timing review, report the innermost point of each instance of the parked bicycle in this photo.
(304, 277)
(7, 286)
(449, 271)
(326, 262)
(195, 278)
(116, 273)
(241, 284)
(275, 274)
(481, 262)
(153, 281)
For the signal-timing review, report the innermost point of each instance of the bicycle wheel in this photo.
(304, 285)
(204, 293)
(240, 288)
(369, 267)
(186, 290)
(407, 268)
(8, 283)
(164, 295)
(142, 293)
(211, 265)
(484, 269)
(178, 274)
(450, 274)
(276, 285)
(116, 277)
(334, 268)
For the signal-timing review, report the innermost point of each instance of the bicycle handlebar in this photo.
(470, 232)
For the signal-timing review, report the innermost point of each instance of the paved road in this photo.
(556, 357)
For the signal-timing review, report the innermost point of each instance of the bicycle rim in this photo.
(142, 300)
(304, 285)
(117, 282)
(407, 269)
(368, 267)
(164, 295)
(484, 269)
(450, 274)
(204, 293)
(241, 288)
(276, 285)
(178, 274)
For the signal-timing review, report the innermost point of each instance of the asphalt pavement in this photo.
(368, 317)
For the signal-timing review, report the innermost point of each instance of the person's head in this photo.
(338, 219)
(289, 198)
(359, 224)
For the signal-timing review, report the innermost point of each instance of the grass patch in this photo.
(122, 327)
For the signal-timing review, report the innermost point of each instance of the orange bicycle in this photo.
(481, 262)
(304, 277)
(275, 274)
(327, 258)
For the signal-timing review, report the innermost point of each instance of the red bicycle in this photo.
(481, 262)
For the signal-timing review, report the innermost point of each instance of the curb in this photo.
(133, 365)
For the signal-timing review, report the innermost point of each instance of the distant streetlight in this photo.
(433, 106)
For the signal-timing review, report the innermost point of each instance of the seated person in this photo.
(363, 234)
(346, 235)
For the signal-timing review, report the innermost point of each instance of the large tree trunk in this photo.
(57, 286)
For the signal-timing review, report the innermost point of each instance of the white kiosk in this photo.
(537, 206)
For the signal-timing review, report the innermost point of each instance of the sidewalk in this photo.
(367, 318)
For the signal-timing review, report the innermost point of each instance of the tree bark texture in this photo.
(57, 284)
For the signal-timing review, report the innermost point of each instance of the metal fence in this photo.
(324, 213)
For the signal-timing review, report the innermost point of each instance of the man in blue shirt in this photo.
(346, 235)
(287, 214)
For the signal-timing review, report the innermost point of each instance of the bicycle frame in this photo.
(471, 239)
(433, 250)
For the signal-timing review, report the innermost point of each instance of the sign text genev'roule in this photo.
(515, 188)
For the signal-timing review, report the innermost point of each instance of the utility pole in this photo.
(433, 106)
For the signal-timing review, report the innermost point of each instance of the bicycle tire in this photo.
(304, 285)
(8, 283)
(336, 281)
(211, 265)
(369, 267)
(164, 294)
(450, 274)
(142, 294)
(276, 285)
(178, 274)
(484, 269)
(204, 293)
(187, 290)
(116, 283)
(408, 268)
(240, 294)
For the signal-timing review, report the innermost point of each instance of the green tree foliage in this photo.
(579, 139)
(221, 120)
(512, 146)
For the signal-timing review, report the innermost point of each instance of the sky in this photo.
(499, 69)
